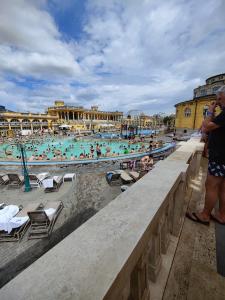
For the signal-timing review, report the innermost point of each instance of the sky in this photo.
(118, 54)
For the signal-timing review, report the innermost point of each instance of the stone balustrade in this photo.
(125, 251)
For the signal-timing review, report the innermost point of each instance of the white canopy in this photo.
(65, 126)
(106, 125)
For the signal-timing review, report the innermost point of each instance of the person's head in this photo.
(220, 95)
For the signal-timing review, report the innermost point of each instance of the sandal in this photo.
(194, 217)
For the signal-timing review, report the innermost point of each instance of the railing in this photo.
(122, 252)
(66, 107)
(22, 123)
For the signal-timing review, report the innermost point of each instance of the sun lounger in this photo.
(17, 225)
(113, 177)
(42, 221)
(134, 175)
(15, 180)
(4, 179)
(52, 184)
(36, 180)
(125, 177)
(69, 177)
(124, 164)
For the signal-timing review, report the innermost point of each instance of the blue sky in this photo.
(121, 55)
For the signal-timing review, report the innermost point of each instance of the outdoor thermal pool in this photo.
(70, 148)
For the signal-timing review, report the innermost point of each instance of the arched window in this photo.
(26, 121)
(187, 112)
(205, 110)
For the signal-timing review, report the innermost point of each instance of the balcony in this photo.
(138, 247)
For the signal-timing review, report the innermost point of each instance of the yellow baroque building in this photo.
(12, 122)
(79, 118)
(191, 113)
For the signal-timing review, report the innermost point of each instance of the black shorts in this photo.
(216, 169)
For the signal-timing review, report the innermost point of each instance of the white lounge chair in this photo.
(69, 177)
(4, 179)
(125, 177)
(52, 184)
(14, 225)
(15, 180)
(42, 221)
(36, 180)
(134, 175)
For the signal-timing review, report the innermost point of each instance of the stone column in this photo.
(139, 281)
(165, 231)
(179, 198)
(31, 126)
(198, 161)
(21, 126)
(73, 115)
(155, 258)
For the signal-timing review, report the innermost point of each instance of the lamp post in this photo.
(21, 148)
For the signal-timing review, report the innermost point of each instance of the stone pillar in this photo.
(21, 126)
(179, 198)
(198, 161)
(31, 126)
(73, 115)
(139, 281)
(165, 231)
(155, 258)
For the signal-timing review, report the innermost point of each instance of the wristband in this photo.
(209, 113)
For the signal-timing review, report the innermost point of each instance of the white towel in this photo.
(16, 222)
(50, 211)
(48, 183)
(6, 214)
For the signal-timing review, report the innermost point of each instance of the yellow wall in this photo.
(182, 121)
(195, 120)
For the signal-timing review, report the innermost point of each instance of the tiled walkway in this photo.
(194, 273)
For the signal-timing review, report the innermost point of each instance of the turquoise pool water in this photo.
(67, 149)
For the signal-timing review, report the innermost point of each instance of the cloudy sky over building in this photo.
(120, 55)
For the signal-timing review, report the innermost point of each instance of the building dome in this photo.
(191, 113)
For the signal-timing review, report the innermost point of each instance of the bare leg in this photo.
(212, 186)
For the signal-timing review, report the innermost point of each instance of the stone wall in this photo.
(126, 250)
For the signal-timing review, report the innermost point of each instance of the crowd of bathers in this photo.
(58, 150)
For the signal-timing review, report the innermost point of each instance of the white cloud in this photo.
(144, 55)
(31, 43)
